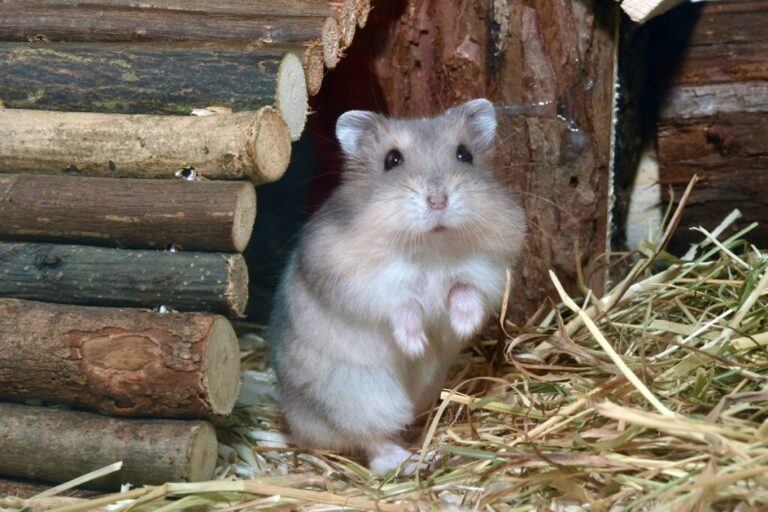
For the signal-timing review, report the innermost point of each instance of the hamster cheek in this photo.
(408, 328)
(465, 309)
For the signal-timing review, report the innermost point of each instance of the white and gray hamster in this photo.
(391, 278)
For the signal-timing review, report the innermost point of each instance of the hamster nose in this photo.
(437, 201)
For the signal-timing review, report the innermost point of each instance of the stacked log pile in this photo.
(120, 241)
(713, 112)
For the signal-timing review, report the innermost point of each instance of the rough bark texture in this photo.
(548, 65)
(125, 362)
(714, 65)
(94, 276)
(156, 78)
(193, 215)
(58, 445)
(227, 146)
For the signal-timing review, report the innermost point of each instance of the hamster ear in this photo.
(353, 126)
(480, 116)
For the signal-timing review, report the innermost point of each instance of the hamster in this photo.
(391, 278)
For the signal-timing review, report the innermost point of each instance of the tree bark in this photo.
(193, 215)
(223, 146)
(94, 276)
(58, 445)
(712, 120)
(549, 67)
(153, 78)
(124, 362)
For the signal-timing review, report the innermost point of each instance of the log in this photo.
(64, 21)
(58, 445)
(22, 490)
(158, 78)
(95, 276)
(193, 215)
(125, 362)
(549, 67)
(713, 61)
(228, 146)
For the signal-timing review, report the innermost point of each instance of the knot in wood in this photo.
(47, 261)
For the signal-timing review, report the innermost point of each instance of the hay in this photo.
(654, 397)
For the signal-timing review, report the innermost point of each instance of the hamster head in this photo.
(430, 180)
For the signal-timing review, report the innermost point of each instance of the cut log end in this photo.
(268, 146)
(222, 384)
(347, 21)
(313, 67)
(203, 451)
(330, 40)
(362, 9)
(292, 94)
(245, 216)
(237, 288)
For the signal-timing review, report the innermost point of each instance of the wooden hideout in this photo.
(132, 136)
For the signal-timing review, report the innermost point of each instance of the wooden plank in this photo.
(96, 276)
(125, 362)
(712, 118)
(193, 215)
(729, 152)
(58, 445)
(692, 101)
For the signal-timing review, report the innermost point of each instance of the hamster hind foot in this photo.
(387, 456)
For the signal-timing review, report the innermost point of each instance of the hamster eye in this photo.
(463, 154)
(393, 159)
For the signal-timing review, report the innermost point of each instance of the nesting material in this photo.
(652, 396)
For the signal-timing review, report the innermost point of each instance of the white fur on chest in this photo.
(430, 281)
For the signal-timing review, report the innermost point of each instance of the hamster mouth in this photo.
(440, 228)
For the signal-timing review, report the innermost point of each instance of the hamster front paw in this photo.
(466, 312)
(408, 329)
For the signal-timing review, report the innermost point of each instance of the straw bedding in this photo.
(653, 397)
